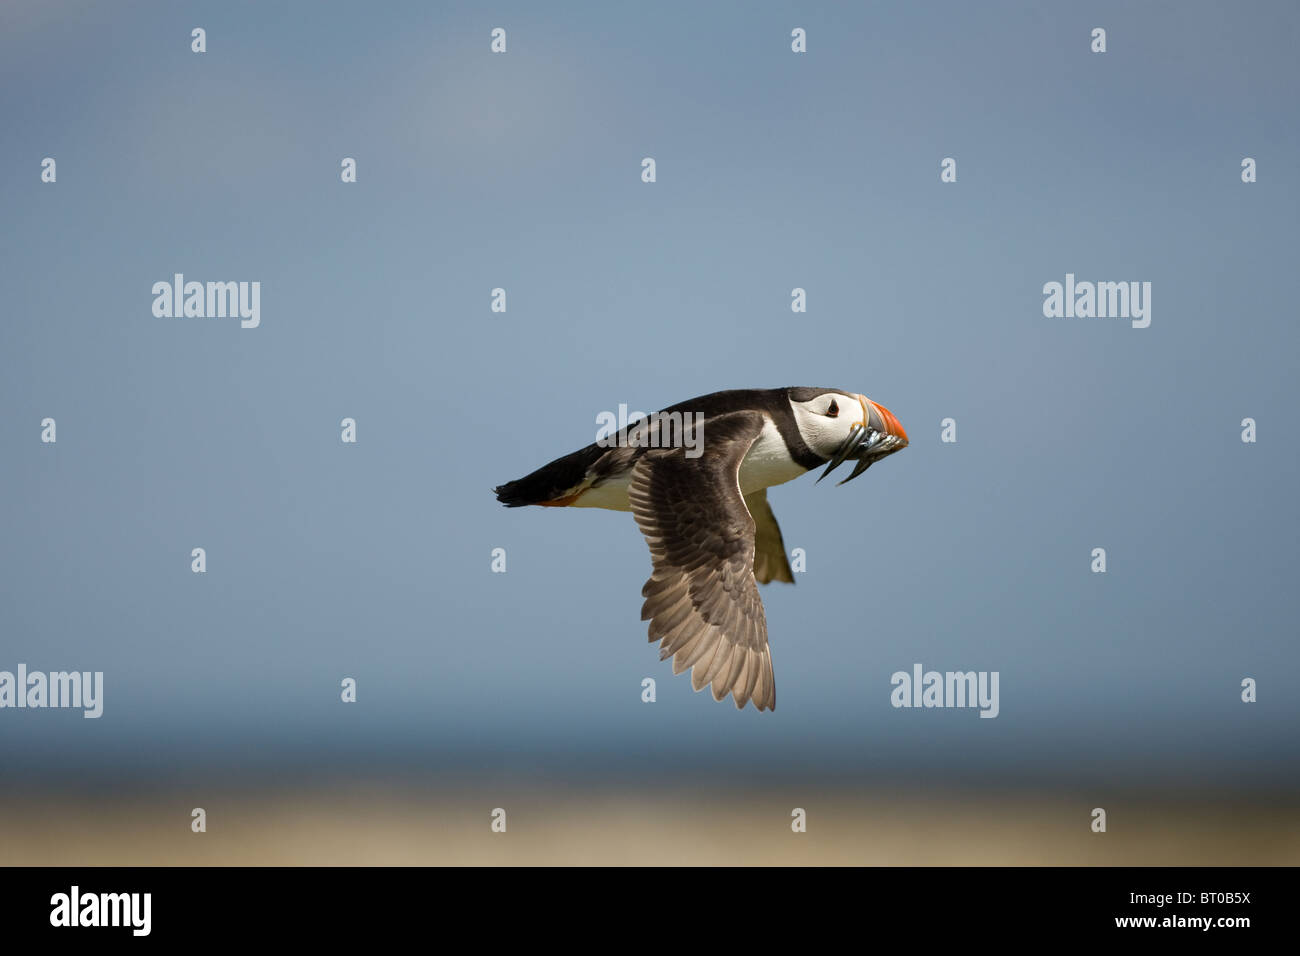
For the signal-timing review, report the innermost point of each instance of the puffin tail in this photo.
(515, 494)
(553, 483)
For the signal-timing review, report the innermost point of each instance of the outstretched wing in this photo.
(770, 561)
(701, 600)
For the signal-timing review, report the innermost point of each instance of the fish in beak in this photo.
(880, 436)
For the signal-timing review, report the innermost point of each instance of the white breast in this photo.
(768, 462)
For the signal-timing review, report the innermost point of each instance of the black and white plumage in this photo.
(697, 486)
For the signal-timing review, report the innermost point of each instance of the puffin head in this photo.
(840, 425)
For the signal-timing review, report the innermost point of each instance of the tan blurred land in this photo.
(361, 826)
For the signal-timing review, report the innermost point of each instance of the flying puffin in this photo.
(695, 477)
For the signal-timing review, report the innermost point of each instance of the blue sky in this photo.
(522, 171)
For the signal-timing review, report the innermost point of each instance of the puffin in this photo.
(695, 477)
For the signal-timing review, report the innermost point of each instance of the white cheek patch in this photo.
(825, 435)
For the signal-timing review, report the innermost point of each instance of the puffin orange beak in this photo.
(884, 420)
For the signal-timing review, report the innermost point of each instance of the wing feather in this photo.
(771, 562)
(702, 597)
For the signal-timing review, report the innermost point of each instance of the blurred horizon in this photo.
(432, 822)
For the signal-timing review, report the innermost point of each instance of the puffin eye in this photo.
(833, 410)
